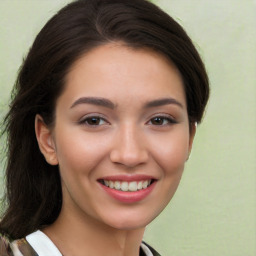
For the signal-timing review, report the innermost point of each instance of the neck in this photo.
(74, 235)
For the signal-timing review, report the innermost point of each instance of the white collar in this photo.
(43, 245)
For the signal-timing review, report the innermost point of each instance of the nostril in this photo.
(129, 159)
(130, 148)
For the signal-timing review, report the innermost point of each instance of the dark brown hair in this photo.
(33, 186)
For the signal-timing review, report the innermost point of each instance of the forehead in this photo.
(113, 70)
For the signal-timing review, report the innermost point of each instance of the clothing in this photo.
(38, 244)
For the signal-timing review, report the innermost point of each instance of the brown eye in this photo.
(157, 121)
(93, 121)
(161, 120)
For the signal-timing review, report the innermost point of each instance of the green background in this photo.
(214, 210)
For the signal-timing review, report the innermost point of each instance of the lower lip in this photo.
(129, 197)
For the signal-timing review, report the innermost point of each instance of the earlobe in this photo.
(45, 141)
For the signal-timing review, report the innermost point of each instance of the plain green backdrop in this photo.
(214, 210)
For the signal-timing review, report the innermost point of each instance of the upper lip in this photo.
(134, 177)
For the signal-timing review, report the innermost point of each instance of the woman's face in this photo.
(121, 124)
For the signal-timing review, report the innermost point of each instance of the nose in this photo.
(129, 148)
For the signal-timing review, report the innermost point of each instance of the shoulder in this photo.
(18, 247)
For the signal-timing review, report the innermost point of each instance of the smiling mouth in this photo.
(127, 186)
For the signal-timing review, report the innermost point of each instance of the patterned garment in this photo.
(17, 248)
(22, 248)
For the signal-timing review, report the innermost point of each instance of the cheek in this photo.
(171, 155)
(171, 152)
(78, 152)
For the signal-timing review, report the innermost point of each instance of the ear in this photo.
(45, 141)
(192, 132)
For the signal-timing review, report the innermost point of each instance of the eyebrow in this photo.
(94, 101)
(109, 104)
(162, 102)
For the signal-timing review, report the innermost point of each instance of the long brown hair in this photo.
(33, 190)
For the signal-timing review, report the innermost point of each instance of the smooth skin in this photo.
(122, 112)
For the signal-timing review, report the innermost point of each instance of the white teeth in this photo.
(117, 185)
(111, 184)
(127, 186)
(124, 186)
(133, 186)
(145, 184)
(139, 185)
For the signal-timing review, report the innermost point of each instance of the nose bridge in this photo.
(129, 138)
(130, 149)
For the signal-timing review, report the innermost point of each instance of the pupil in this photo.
(94, 120)
(157, 120)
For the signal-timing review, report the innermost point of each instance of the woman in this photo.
(102, 121)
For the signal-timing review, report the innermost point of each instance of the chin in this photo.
(129, 225)
(130, 221)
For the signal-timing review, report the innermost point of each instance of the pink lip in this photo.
(128, 197)
(137, 177)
